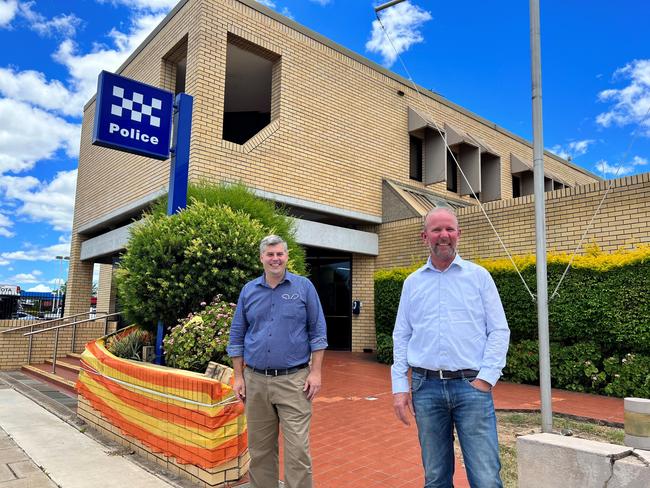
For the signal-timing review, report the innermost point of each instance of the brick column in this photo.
(80, 280)
(363, 325)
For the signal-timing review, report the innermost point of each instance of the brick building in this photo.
(348, 146)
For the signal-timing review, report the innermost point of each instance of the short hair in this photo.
(272, 240)
(434, 210)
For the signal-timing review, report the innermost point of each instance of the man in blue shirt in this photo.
(278, 325)
(451, 331)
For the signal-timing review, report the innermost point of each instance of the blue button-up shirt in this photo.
(277, 328)
(449, 320)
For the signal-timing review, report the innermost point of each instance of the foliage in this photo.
(522, 363)
(201, 337)
(628, 376)
(273, 217)
(384, 348)
(173, 263)
(129, 344)
(576, 367)
(602, 310)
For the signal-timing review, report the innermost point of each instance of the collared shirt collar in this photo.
(458, 261)
(261, 280)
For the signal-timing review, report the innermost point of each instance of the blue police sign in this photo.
(132, 116)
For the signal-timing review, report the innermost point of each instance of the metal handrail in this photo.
(56, 329)
(21, 327)
(62, 326)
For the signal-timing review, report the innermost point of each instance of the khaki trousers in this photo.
(273, 401)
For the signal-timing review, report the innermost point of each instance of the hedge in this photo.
(600, 315)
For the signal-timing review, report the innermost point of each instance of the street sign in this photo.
(133, 117)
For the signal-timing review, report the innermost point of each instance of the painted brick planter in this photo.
(181, 419)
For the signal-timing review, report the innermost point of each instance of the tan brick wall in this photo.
(15, 347)
(624, 220)
(80, 280)
(106, 290)
(339, 126)
(363, 325)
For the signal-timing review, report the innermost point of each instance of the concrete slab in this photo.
(72, 459)
(630, 472)
(546, 460)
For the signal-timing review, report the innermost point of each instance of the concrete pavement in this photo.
(72, 459)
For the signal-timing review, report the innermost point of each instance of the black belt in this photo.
(442, 374)
(279, 371)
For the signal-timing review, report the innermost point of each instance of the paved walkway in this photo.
(68, 458)
(356, 440)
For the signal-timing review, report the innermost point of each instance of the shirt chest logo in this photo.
(293, 296)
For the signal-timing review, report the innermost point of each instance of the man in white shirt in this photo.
(451, 331)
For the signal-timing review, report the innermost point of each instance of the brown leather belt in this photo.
(442, 374)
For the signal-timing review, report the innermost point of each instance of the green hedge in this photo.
(600, 317)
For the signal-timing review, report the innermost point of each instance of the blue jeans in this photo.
(439, 406)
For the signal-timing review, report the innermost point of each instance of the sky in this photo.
(475, 53)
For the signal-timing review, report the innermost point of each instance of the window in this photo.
(175, 68)
(452, 172)
(516, 186)
(415, 157)
(251, 74)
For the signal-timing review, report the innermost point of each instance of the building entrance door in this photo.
(331, 274)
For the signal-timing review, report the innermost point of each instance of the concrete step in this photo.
(66, 364)
(74, 355)
(44, 372)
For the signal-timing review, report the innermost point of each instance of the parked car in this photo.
(25, 316)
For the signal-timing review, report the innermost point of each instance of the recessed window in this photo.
(249, 93)
(452, 172)
(516, 186)
(415, 158)
(175, 68)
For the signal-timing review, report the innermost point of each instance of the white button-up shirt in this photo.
(449, 320)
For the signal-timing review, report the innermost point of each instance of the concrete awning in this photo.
(458, 136)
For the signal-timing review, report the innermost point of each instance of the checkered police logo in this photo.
(135, 107)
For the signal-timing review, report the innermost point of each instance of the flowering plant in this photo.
(201, 337)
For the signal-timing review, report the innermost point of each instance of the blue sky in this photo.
(595, 69)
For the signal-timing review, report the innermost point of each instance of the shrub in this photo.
(129, 344)
(522, 363)
(273, 217)
(384, 348)
(576, 367)
(200, 338)
(173, 263)
(628, 376)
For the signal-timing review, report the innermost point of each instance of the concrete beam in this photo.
(105, 244)
(326, 236)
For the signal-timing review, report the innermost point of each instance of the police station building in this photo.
(347, 146)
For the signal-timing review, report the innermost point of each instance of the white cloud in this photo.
(51, 202)
(152, 5)
(402, 23)
(29, 134)
(64, 24)
(32, 87)
(321, 2)
(267, 3)
(5, 223)
(84, 68)
(23, 278)
(33, 253)
(631, 104)
(8, 9)
(41, 289)
(4, 262)
(608, 170)
(639, 161)
(573, 149)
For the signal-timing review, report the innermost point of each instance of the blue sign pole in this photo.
(178, 176)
